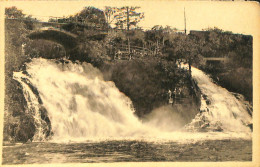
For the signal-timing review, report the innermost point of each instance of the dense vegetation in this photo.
(143, 64)
(18, 125)
(235, 73)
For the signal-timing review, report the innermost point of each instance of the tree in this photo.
(138, 37)
(123, 17)
(109, 14)
(182, 46)
(13, 12)
(92, 15)
(129, 17)
(158, 36)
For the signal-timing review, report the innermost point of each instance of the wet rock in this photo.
(250, 126)
(25, 130)
(204, 126)
(45, 118)
(208, 102)
(218, 129)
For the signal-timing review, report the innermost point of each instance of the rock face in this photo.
(25, 129)
(33, 120)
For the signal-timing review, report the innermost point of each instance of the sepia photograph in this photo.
(91, 82)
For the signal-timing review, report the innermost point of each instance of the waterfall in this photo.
(81, 105)
(220, 109)
(79, 102)
(33, 105)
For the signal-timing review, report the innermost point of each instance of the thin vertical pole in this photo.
(128, 26)
(184, 21)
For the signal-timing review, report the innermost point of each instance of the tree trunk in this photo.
(128, 42)
(127, 17)
(163, 41)
(189, 66)
(157, 47)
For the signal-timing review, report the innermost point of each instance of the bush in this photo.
(45, 49)
(90, 51)
(239, 80)
(147, 82)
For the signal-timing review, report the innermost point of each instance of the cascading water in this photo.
(79, 103)
(220, 109)
(33, 105)
(82, 106)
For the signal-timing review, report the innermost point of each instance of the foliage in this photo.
(213, 42)
(123, 17)
(156, 33)
(15, 104)
(147, 82)
(90, 51)
(217, 43)
(45, 49)
(137, 37)
(13, 12)
(216, 30)
(90, 17)
(93, 16)
(19, 49)
(109, 14)
(118, 37)
(235, 74)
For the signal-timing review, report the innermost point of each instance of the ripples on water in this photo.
(127, 151)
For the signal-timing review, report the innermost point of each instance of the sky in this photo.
(238, 17)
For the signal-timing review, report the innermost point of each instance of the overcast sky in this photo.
(238, 17)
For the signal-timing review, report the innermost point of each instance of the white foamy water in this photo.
(32, 104)
(82, 106)
(223, 109)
